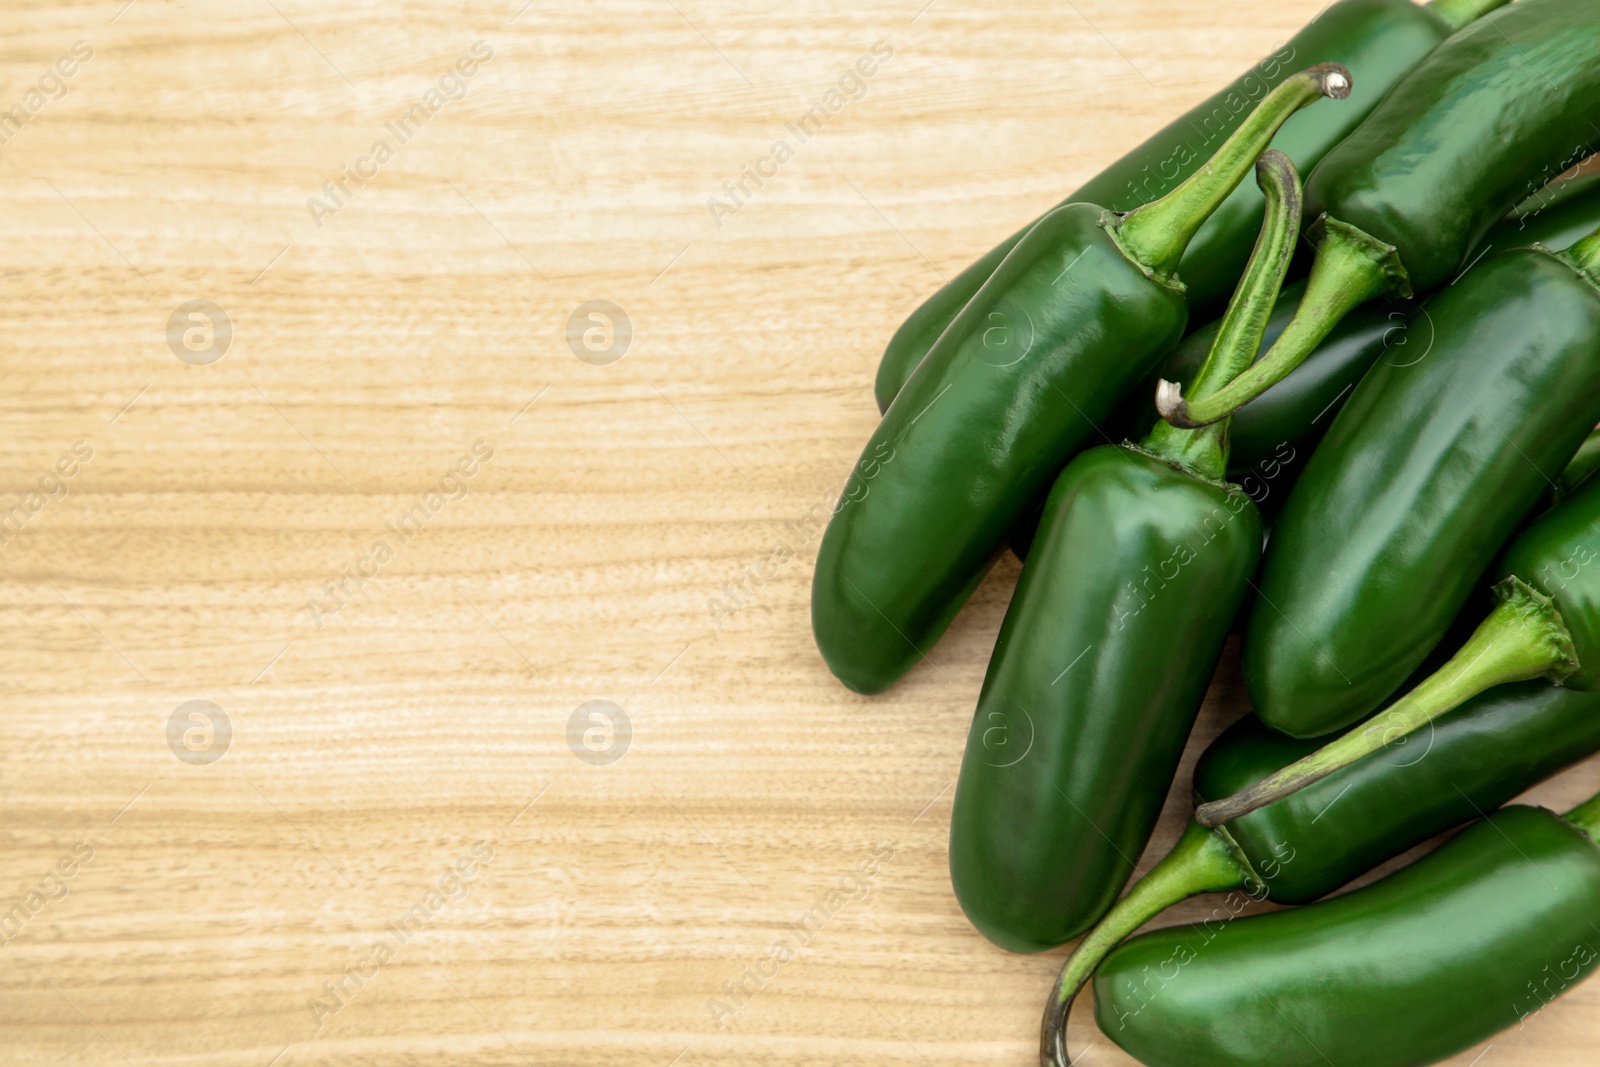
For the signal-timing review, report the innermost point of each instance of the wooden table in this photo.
(368, 505)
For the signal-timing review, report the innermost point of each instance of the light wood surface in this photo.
(376, 745)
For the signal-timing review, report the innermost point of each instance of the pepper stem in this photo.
(1586, 817)
(1523, 637)
(1203, 861)
(1351, 268)
(1584, 254)
(1459, 13)
(1156, 234)
(1238, 339)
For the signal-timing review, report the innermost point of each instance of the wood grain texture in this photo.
(376, 745)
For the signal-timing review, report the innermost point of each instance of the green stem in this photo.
(1156, 234)
(1203, 861)
(1238, 339)
(1351, 268)
(1586, 817)
(1522, 638)
(1459, 13)
(1584, 254)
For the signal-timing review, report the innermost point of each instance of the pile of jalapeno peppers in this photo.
(1373, 464)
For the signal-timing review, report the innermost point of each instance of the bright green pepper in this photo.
(1377, 40)
(1470, 940)
(1144, 554)
(991, 415)
(1428, 469)
(1483, 122)
(1308, 844)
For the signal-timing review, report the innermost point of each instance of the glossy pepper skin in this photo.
(1428, 469)
(1144, 564)
(1477, 127)
(1079, 310)
(1378, 40)
(1472, 760)
(1545, 624)
(1465, 942)
(1144, 554)
(1273, 436)
(970, 441)
(1307, 844)
(1485, 120)
(1286, 422)
(1559, 555)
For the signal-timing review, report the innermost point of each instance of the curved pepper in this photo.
(1429, 468)
(1144, 554)
(1310, 843)
(1484, 121)
(1079, 310)
(1377, 40)
(1471, 939)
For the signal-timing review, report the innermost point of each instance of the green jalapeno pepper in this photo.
(1275, 432)
(1272, 436)
(1470, 940)
(984, 426)
(1481, 123)
(1546, 624)
(1144, 552)
(1308, 844)
(1431, 465)
(1377, 40)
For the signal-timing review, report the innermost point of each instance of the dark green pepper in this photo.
(1483, 122)
(1078, 312)
(1144, 554)
(1470, 940)
(1273, 435)
(1546, 624)
(1310, 843)
(1076, 739)
(1377, 40)
(1281, 426)
(1432, 464)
